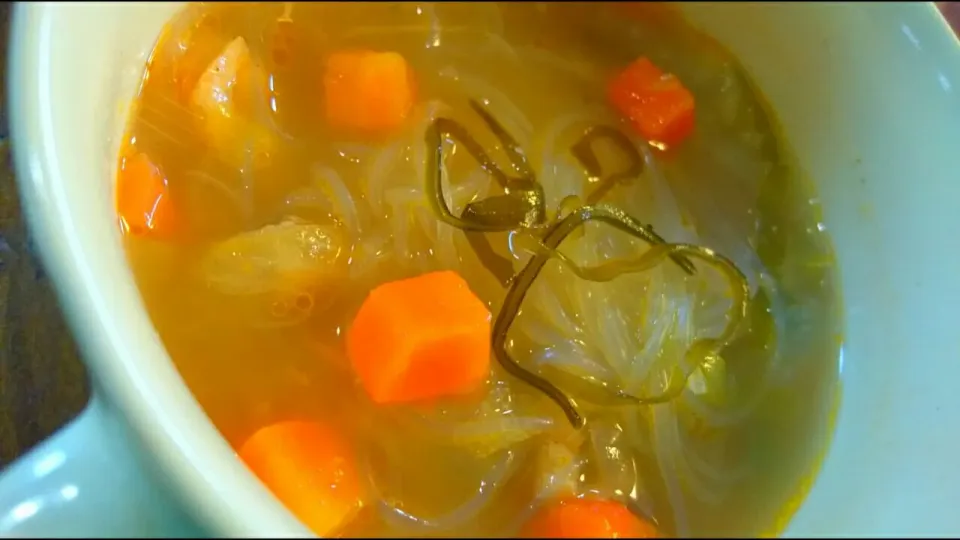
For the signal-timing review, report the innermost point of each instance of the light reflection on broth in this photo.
(272, 186)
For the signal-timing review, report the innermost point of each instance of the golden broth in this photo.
(727, 462)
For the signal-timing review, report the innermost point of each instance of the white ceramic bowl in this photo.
(868, 96)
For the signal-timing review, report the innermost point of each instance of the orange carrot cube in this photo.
(143, 201)
(658, 106)
(368, 91)
(586, 518)
(421, 338)
(311, 468)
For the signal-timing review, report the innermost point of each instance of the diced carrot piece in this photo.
(143, 201)
(586, 518)
(368, 91)
(658, 106)
(421, 338)
(311, 468)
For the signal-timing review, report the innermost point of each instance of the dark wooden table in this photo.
(42, 382)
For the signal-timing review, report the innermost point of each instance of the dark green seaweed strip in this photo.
(518, 291)
(510, 146)
(585, 154)
(521, 205)
(525, 192)
(434, 176)
(702, 349)
(496, 209)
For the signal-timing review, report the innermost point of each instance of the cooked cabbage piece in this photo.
(292, 255)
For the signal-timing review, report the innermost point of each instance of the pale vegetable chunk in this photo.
(226, 95)
(558, 471)
(289, 256)
(500, 421)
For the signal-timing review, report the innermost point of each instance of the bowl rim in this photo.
(194, 459)
(198, 471)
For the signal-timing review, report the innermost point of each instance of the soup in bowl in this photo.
(480, 269)
(518, 269)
